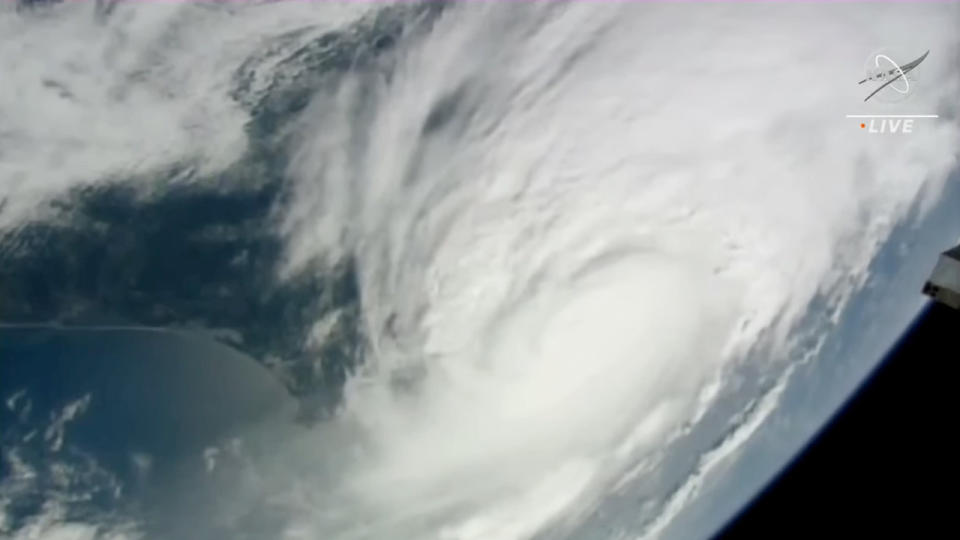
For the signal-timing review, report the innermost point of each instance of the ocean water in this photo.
(444, 270)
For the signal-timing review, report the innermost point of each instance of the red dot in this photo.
(862, 126)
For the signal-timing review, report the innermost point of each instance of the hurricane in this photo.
(553, 263)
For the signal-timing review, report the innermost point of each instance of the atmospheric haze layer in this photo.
(591, 240)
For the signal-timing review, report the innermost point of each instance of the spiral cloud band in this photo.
(573, 221)
(577, 227)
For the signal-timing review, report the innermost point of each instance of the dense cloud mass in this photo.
(587, 237)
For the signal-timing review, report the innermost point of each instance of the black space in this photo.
(885, 466)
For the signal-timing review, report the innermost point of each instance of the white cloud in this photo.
(87, 99)
(55, 431)
(621, 201)
(615, 204)
(46, 489)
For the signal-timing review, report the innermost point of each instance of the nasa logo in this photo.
(894, 85)
(891, 69)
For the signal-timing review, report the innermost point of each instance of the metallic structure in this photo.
(944, 283)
